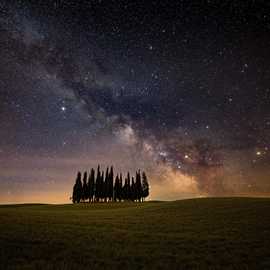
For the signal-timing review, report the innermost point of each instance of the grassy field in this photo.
(217, 233)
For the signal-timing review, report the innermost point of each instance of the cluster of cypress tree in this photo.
(97, 187)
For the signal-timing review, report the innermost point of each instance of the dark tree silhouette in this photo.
(120, 188)
(145, 186)
(128, 187)
(91, 185)
(77, 189)
(125, 190)
(98, 185)
(110, 184)
(116, 189)
(133, 192)
(104, 188)
(138, 186)
(84, 187)
(106, 185)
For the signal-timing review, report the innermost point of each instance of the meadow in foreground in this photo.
(214, 233)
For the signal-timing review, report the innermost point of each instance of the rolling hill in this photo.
(208, 233)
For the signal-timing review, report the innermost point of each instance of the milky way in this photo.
(179, 89)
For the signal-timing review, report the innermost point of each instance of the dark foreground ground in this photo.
(228, 233)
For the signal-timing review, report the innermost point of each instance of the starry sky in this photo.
(180, 89)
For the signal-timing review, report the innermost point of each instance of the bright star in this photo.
(163, 154)
(258, 153)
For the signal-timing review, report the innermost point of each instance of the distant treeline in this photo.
(97, 187)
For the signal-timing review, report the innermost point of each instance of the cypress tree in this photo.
(138, 186)
(74, 192)
(116, 189)
(106, 185)
(102, 186)
(145, 186)
(84, 187)
(98, 185)
(125, 190)
(133, 190)
(128, 192)
(91, 185)
(120, 188)
(77, 189)
(111, 184)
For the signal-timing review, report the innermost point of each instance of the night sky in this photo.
(180, 89)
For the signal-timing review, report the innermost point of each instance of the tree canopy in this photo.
(97, 186)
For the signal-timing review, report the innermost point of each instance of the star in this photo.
(258, 153)
(163, 154)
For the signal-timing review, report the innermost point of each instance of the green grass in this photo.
(217, 233)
